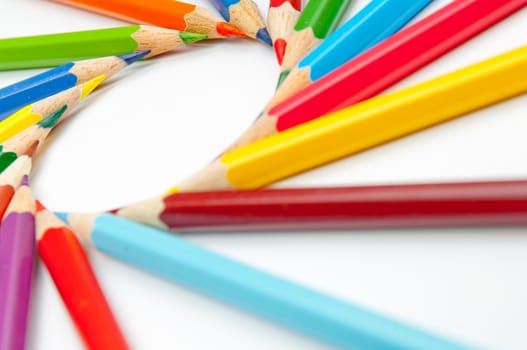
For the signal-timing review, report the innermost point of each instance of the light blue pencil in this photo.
(375, 22)
(313, 313)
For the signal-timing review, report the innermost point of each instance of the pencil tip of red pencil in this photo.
(279, 49)
(39, 205)
(228, 30)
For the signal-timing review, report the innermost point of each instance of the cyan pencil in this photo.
(315, 314)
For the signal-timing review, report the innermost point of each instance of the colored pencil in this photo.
(71, 271)
(318, 19)
(58, 79)
(30, 139)
(375, 22)
(318, 315)
(17, 251)
(29, 115)
(366, 125)
(281, 18)
(357, 207)
(383, 65)
(51, 50)
(170, 14)
(11, 177)
(244, 14)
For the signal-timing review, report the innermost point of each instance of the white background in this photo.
(159, 121)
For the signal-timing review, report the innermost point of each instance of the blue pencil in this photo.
(377, 21)
(245, 15)
(58, 79)
(326, 318)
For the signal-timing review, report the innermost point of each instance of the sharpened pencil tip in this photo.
(91, 85)
(282, 77)
(264, 36)
(132, 57)
(25, 181)
(279, 49)
(39, 205)
(189, 38)
(62, 215)
(228, 30)
(52, 119)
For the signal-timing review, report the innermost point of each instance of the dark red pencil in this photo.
(393, 206)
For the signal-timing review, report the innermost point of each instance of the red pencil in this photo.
(70, 269)
(393, 206)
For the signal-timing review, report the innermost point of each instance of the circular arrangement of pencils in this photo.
(336, 96)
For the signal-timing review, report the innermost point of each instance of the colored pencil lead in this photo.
(17, 251)
(73, 276)
(164, 13)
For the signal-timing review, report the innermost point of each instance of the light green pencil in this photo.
(55, 49)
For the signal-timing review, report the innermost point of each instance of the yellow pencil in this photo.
(365, 125)
(34, 113)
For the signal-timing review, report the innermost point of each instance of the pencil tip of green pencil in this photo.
(52, 119)
(90, 85)
(282, 77)
(189, 38)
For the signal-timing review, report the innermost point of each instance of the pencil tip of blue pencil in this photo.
(132, 57)
(264, 36)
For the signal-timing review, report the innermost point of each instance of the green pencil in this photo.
(317, 20)
(55, 49)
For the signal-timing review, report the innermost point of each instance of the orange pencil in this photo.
(71, 271)
(164, 13)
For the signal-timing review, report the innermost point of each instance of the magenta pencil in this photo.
(392, 206)
(17, 251)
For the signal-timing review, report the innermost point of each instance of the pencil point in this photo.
(25, 180)
(132, 57)
(6, 159)
(282, 77)
(228, 30)
(279, 49)
(39, 205)
(264, 36)
(62, 215)
(90, 85)
(172, 190)
(189, 38)
(52, 119)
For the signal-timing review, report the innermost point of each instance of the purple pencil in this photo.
(17, 251)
